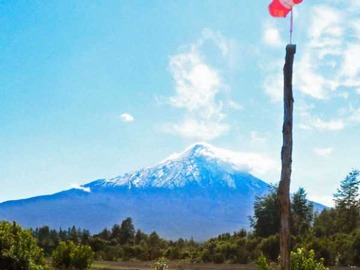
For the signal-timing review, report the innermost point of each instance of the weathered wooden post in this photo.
(286, 159)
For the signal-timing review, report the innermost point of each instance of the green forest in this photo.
(333, 235)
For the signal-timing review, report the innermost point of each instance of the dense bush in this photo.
(161, 264)
(70, 256)
(18, 249)
(305, 260)
(299, 260)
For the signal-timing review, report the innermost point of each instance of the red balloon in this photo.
(281, 8)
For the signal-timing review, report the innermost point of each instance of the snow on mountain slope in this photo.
(201, 192)
(201, 163)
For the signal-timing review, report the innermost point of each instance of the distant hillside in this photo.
(199, 193)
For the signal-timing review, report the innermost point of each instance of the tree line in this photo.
(333, 234)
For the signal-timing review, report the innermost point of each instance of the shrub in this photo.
(261, 263)
(69, 256)
(299, 260)
(161, 264)
(270, 247)
(18, 249)
(305, 260)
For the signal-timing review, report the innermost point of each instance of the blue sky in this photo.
(94, 89)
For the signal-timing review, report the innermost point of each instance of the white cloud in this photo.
(329, 60)
(197, 86)
(271, 36)
(254, 163)
(196, 83)
(274, 87)
(321, 53)
(80, 187)
(327, 66)
(236, 106)
(350, 69)
(127, 118)
(354, 115)
(337, 124)
(197, 129)
(346, 117)
(256, 140)
(317, 123)
(323, 152)
(308, 80)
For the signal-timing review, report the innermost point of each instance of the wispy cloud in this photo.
(323, 152)
(310, 122)
(127, 118)
(328, 59)
(318, 68)
(200, 129)
(271, 35)
(80, 187)
(257, 140)
(337, 124)
(326, 68)
(354, 115)
(197, 86)
(234, 105)
(329, 64)
(273, 86)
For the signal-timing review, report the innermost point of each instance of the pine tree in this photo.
(127, 232)
(347, 203)
(302, 213)
(266, 219)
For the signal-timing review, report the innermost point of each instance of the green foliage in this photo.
(262, 264)
(266, 219)
(329, 233)
(18, 249)
(347, 203)
(70, 256)
(324, 223)
(305, 260)
(302, 213)
(299, 260)
(161, 264)
(125, 233)
(270, 247)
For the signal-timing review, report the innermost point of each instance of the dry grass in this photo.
(172, 266)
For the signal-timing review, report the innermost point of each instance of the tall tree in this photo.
(266, 219)
(302, 213)
(347, 203)
(127, 232)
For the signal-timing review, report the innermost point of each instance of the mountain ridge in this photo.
(201, 192)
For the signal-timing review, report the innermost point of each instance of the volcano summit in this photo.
(199, 193)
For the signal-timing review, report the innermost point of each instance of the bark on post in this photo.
(286, 160)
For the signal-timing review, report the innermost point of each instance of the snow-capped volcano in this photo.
(201, 164)
(200, 192)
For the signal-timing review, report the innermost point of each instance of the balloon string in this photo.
(291, 25)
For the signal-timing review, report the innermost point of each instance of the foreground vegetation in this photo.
(331, 237)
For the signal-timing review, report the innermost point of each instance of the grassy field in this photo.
(172, 266)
